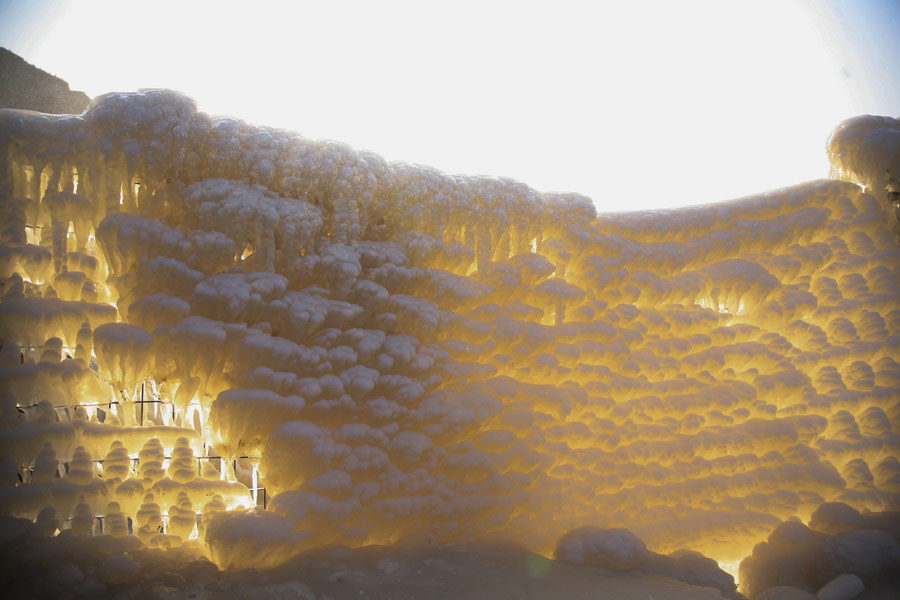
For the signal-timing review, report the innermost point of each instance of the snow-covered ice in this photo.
(247, 344)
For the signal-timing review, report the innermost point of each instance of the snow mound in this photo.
(849, 559)
(617, 549)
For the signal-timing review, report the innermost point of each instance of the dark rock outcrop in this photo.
(25, 86)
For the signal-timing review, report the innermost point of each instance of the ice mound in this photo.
(840, 554)
(620, 550)
(866, 149)
(617, 549)
(230, 333)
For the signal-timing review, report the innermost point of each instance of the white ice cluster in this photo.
(866, 149)
(199, 315)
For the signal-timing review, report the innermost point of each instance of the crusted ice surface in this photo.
(236, 316)
(866, 149)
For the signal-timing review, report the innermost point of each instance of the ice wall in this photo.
(200, 315)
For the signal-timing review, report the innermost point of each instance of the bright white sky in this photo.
(636, 104)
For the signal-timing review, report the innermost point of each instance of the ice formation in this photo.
(841, 553)
(234, 334)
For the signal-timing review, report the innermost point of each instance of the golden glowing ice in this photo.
(200, 315)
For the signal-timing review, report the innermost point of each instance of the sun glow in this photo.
(628, 103)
